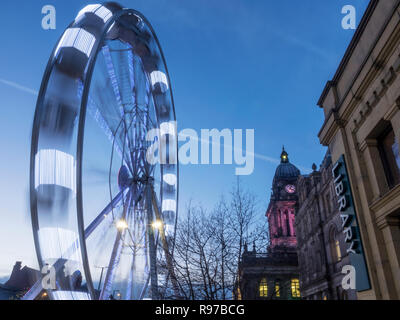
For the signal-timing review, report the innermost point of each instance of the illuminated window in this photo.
(277, 290)
(335, 246)
(263, 288)
(295, 288)
(239, 294)
(338, 253)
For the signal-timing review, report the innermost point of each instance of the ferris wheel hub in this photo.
(124, 179)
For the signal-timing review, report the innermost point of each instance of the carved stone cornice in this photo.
(389, 221)
(331, 126)
(386, 204)
(393, 110)
(368, 143)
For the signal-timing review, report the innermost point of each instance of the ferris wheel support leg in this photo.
(37, 288)
(144, 289)
(152, 245)
(168, 256)
(115, 256)
(146, 284)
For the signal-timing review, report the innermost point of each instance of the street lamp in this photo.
(157, 224)
(121, 225)
(116, 295)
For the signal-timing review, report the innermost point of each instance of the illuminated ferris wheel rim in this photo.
(82, 38)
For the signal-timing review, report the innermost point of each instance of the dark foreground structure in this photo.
(21, 279)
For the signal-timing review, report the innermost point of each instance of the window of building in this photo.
(338, 253)
(328, 204)
(263, 288)
(389, 153)
(287, 217)
(295, 285)
(239, 294)
(277, 289)
(335, 246)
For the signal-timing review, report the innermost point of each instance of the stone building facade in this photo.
(269, 276)
(274, 275)
(361, 105)
(320, 240)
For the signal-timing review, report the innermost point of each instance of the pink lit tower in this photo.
(274, 275)
(281, 209)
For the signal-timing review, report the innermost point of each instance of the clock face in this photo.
(290, 188)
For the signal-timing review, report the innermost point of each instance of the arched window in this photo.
(287, 217)
(277, 289)
(334, 244)
(328, 204)
(239, 294)
(292, 222)
(263, 288)
(338, 252)
(295, 286)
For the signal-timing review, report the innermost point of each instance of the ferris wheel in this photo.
(104, 167)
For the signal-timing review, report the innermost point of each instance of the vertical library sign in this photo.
(350, 226)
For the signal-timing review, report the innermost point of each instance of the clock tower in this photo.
(274, 275)
(281, 209)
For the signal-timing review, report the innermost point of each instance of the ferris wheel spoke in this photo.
(130, 146)
(120, 92)
(103, 214)
(105, 124)
(125, 80)
(113, 78)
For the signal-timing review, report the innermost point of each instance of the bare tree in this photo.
(209, 245)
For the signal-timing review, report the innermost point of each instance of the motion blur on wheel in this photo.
(104, 172)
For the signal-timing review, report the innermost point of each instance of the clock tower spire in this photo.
(284, 156)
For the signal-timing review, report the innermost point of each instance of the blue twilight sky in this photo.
(244, 64)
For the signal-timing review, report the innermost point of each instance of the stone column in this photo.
(390, 227)
(376, 172)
